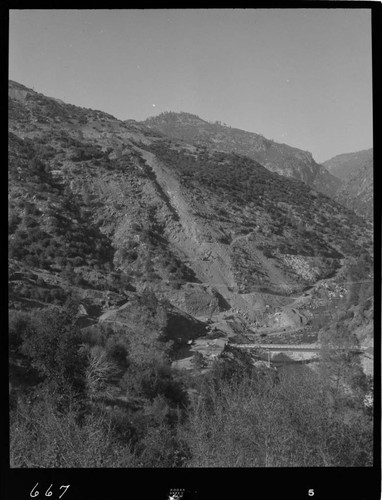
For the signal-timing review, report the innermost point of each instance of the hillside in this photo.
(356, 173)
(280, 158)
(158, 211)
(346, 164)
(331, 178)
(139, 266)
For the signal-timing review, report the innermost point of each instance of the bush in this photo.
(198, 361)
(153, 380)
(18, 323)
(268, 253)
(98, 372)
(265, 421)
(13, 222)
(43, 436)
(52, 344)
(117, 352)
(161, 447)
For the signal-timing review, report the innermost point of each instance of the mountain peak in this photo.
(172, 118)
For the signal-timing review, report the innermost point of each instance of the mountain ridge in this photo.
(355, 170)
(342, 165)
(85, 138)
(277, 157)
(296, 163)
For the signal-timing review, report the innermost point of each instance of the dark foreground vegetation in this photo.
(96, 400)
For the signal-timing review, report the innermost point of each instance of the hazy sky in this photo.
(299, 76)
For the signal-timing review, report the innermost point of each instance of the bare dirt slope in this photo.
(209, 259)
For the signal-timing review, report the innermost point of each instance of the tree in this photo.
(52, 343)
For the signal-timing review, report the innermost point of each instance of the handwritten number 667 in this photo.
(48, 492)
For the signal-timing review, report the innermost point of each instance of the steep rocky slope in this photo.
(280, 158)
(107, 209)
(343, 165)
(356, 173)
(357, 192)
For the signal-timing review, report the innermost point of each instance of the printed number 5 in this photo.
(311, 493)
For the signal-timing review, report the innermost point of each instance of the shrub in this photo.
(18, 322)
(98, 371)
(198, 361)
(43, 436)
(13, 221)
(52, 344)
(153, 380)
(274, 422)
(268, 253)
(161, 447)
(117, 352)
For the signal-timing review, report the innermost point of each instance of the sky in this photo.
(298, 76)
